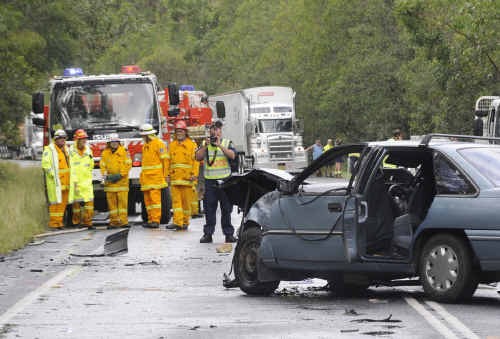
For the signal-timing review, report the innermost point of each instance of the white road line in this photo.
(431, 319)
(34, 295)
(452, 320)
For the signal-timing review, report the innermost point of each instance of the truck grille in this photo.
(280, 147)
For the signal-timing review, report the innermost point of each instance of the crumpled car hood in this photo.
(257, 182)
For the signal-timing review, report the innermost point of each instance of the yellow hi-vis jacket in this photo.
(117, 162)
(217, 165)
(55, 164)
(80, 180)
(182, 162)
(327, 147)
(155, 165)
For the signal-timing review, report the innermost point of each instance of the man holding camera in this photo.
(217, 153)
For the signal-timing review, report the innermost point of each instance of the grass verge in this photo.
(23, 206)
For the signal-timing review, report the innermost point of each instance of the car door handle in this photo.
(334, 207)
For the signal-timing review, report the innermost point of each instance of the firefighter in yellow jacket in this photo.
(55, 163)
(81, 189)
(115, 165)
(155, 164)
(182, 176)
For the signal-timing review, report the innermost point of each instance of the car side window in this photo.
(449, 179)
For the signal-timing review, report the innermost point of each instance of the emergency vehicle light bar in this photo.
(427, 138)
(74, 71)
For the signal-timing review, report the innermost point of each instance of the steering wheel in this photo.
(399, 191)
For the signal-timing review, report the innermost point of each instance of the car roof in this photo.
(438, 143)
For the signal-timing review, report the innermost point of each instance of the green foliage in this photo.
(360, 67)
(23, 205)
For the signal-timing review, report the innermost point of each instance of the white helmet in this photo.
(146, 129)
(113, 137)
(60, 133)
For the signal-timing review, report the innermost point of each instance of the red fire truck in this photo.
(117, 103)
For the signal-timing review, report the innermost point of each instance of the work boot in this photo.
(155, 225)
(206, 238)
(185, 227)
(194, 216)
(112, 227)
(125, 226)
(90, 228)
(231, 238)
(171, 227)
(146, 225)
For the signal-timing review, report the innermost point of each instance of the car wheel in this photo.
(446, 269)
(247, 264)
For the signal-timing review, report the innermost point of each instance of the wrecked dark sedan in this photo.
(410, 213)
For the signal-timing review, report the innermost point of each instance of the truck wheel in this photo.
(144, 212)
(247, 264)
(446, 269)
(166, 205)
(131, 202)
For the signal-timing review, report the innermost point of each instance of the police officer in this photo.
(217, 153)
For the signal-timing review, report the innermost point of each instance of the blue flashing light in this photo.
(187, 88)
(71, 72)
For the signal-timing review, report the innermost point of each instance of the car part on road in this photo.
(247, 265)
(116, 243)
(385, 320)
(447, 271)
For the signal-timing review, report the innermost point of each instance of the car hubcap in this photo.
(441, 268)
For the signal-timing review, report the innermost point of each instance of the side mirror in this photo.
(173, 94)
(37, 103)
(38, 122)
(221, 109)
(285, 186)
(478, 127)
(249, 128)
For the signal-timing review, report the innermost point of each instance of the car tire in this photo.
(447, 271)
(246, 264)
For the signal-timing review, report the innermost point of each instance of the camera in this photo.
(213, 140)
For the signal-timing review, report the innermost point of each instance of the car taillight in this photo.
(136, 161)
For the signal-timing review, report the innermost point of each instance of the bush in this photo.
(23, 205)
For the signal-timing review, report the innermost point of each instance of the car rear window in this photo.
(486, 160)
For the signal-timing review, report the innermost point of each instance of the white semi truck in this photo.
(487, 121)
(263, 127)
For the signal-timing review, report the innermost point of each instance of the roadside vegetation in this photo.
(361, 68)
(23, 207)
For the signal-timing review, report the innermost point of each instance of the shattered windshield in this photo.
(275, 125)
(108, 105)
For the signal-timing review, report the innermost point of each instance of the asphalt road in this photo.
(169, 286)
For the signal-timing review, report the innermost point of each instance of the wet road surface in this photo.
(169, 286)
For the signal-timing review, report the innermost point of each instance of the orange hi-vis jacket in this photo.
(182, 163)
(117, 162)
(155, 165)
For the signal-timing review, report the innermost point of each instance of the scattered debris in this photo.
(2, 259)
(116, 243)
(392, 326)
(378, 301)
(36, 243)
(349, 331)
(386, 320)
(194, 328)
(376, 333)
(60, 232)
(351, 311)
(216, 261)
(144, 263)
(212, 326)
(36, 270)
(225, 248)
(193, 258)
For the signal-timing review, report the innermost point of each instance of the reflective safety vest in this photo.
(155, 165)
(327, 147)
(182, 162)
(80, 180)
(117, 162)
(217, 164)
(55, 164)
